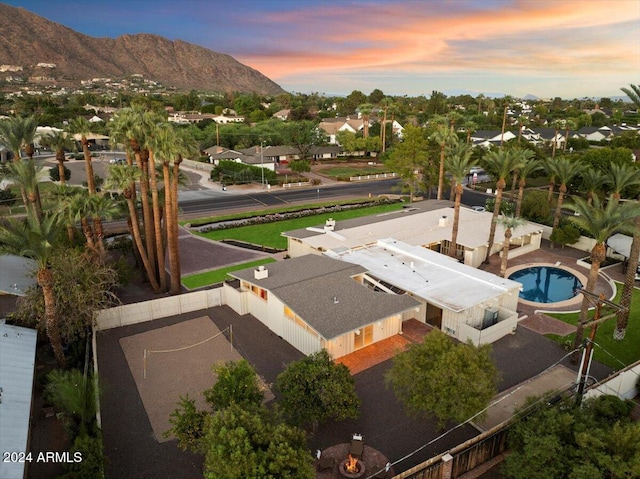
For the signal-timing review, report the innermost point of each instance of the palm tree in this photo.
(122, 178)
(523, 122)
(27, 175)
(59, 142)
(38, 240)
(526, 156)
(592, 182)
(599, 221)
(633, 92)
(365, 111)
(78, 208)
(385, 103)
(556, 125)
(550, 168)
(565, 170)
(469, 127)
(443, 136)
(531, 166)
(621, 177)
(458, 164)
(500, 164)
(568, 125)
(16, 133)
(509, 223)
(81, 126)
(101, 207)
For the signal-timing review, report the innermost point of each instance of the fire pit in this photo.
(351, 468)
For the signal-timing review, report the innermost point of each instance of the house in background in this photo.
(426, 224)
(250, 156)
(315, 302)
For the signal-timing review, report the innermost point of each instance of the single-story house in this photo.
(315, 302)
(464, 302)
(417, 226)
(250, 156)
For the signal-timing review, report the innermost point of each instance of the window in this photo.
(363, 337)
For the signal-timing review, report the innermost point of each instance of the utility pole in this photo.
(587, 351)
(262, 164)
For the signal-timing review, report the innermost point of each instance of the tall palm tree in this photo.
(568, 126)
(27, 175)
(458, 164)
(365, 111)
(122, 178)
(101, 207)
(78, 207)
(58, 141)
(500, 164)
(38, 240)
(81, 126)
(550, 168)
(599, 221)
(443, 136)
(557, 125)
(530, 167)
(509, 223)
(633, 92)
(470, 127)
(526, 156)
(592, 182)
(565, 170)
(385, 103)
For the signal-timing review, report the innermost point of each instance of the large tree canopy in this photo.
(443, 379)
(315, 389)
(246, 444)
(595, 441)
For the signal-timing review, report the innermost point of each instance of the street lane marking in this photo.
(257, 200)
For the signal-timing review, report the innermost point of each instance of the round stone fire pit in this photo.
(360, 469)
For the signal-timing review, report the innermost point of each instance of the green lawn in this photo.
(609, 351)
(269, 234)
(219, 275)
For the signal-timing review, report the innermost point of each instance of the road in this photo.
(197, 200)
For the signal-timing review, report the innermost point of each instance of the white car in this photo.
(478, 208)
(475, 169)
(118, 161)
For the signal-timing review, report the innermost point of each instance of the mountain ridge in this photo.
(78, 57)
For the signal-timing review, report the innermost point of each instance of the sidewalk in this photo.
(558, 378)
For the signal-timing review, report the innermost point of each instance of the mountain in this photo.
(46, 50)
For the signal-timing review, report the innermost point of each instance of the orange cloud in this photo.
(416, 37)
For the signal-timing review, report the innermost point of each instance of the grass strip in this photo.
(281, 209)
(208, 278)
(269, 234)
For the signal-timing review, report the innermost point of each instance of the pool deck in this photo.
(565, 258)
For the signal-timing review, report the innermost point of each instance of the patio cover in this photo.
(16, 274)
(620, 244)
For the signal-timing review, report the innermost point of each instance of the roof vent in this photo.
(261, 273)
(443, 221)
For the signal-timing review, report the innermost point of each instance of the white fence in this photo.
(298, 183)
(377, 176)
(158, 308)
(488, 335)
(621, 384)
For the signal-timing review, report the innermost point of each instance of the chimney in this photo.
(330, 224)
(443, 221)
(261, 273)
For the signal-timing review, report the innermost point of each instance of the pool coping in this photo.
(575, 301)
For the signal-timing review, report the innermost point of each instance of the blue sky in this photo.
(572, 49)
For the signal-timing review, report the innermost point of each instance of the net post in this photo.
(144, 362)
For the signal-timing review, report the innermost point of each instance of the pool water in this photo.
(546, 284)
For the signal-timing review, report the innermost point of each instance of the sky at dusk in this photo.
(570, 48)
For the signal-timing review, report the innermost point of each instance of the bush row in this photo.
(270, 218)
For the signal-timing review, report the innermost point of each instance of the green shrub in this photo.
(231, 172)
(54, 174)
(565, 233)
(7, 197)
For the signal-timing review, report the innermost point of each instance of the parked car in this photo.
(478, 208)
(475, 169)
(118, 161)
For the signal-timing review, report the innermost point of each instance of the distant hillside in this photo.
(65, 55)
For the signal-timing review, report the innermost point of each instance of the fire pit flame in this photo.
(351, 465)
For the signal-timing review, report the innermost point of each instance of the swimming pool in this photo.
(546, 284)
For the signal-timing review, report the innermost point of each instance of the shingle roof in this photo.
(323, 293)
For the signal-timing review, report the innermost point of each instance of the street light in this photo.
(262, 163)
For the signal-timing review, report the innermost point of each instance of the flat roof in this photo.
(420, 228)
(324, 294)
(17, 363)
(437, 278)
(17, 274)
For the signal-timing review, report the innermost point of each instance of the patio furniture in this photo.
(357, 446)
(325, 462)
